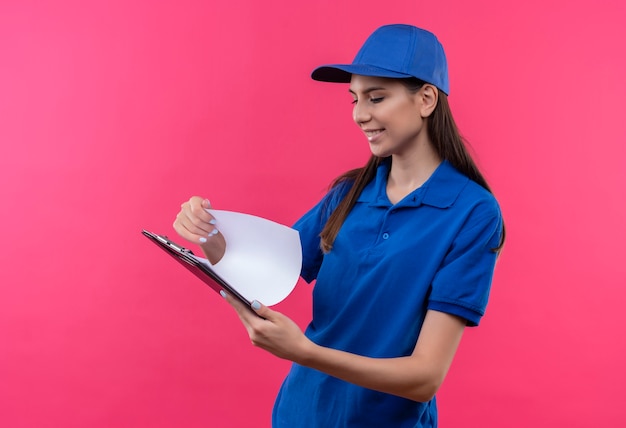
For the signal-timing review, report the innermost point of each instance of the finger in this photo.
(244, 311)
(188, 230)
(196, 212)
(193, 222)
(263, 311)
(197, 226)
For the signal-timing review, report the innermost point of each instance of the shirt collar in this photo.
(441, 190)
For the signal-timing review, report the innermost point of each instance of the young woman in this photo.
(402, 251)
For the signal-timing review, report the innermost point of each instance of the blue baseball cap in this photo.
(395, 51)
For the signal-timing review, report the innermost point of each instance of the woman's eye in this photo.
(371, 100)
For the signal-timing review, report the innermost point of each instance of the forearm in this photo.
(416, 377)
(410, 377)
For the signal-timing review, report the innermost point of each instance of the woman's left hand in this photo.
(271, 330)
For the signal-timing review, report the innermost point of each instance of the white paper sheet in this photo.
(263, 259)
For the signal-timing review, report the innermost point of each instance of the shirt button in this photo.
(385, 235)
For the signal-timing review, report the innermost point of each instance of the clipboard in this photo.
(186, 258)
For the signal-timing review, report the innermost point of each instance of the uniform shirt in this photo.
(389, 264)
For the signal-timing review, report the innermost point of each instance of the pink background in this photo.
(113, 113)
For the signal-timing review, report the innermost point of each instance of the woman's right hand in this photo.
(196, 225)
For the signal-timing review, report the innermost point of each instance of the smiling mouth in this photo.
(371, 134)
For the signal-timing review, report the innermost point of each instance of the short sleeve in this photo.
(462, 285)
(310, 226)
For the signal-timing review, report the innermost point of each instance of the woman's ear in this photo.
(429, 96)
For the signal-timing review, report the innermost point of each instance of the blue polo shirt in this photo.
(388, 266)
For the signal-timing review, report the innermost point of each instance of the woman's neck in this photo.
(410, 171)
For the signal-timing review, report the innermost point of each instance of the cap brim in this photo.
(342, 73)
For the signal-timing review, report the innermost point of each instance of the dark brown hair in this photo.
(448, 144)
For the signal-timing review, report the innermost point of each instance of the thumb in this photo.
(206, 204)
(261, 310)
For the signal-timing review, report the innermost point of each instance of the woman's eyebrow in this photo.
(368, 90)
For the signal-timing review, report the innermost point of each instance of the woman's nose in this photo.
(360, 113)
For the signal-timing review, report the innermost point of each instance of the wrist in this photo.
(308, 353)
